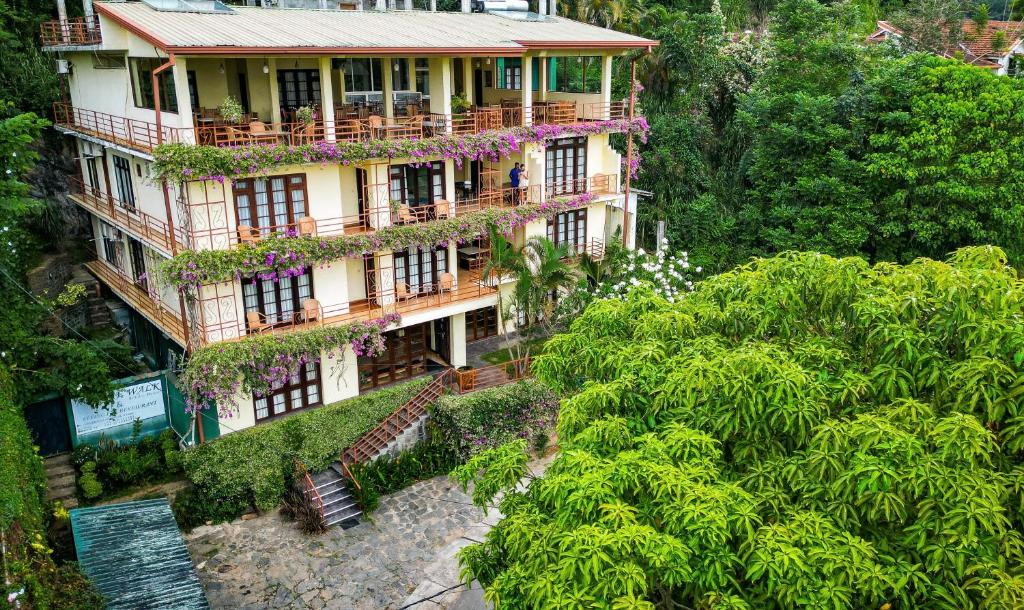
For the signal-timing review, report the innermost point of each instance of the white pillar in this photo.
(457, 332)
(553, 7)
(449, 189)
(606, 85)
(378, 195)
(382, 5)
(465, 6)
(542, 7)
(467, 78)
(433, 6)
(389, 88)
(407, 5)
(180, 70)
(544, 77)
(275, 95)
(440, 77)
(527, 90)
(327, 98)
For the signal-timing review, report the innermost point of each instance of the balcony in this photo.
(462, 287)
(168, 321)
(133, 221)
(131, 133)
(77, 31)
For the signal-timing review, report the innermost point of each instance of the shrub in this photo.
(88, 482)
(389, 474)
(470, 423)
(252, 467)
(108, 468)
(192, 509)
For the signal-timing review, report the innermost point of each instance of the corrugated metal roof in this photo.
(260, 28)
(134, 556)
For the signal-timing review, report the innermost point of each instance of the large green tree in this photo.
(801, 432)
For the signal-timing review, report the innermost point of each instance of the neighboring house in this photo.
(369, 74)
(978, 48)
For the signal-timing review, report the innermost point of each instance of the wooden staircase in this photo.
(329, 488)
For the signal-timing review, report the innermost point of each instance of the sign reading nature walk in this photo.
(139, 401)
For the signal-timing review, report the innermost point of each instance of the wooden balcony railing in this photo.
(139, 299)
(137, 223)
(130, 133)
(594, 248)
(76, 31)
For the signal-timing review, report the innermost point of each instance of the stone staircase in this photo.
(329, 488)
(60, 480)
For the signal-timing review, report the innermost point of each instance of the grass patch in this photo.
(500, 356)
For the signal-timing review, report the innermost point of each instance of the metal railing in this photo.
(131, 133)
(71, 32)
(128, 218)
(139, 299)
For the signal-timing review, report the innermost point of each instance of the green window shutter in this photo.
(535, 73)
(553, 74)
(499, 81)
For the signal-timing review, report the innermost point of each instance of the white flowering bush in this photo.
(671, 274)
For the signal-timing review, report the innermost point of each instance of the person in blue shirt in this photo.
(513, 176)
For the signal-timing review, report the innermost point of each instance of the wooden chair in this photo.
(235, 136)
(402, 292)
(256, 322)
(406, 215)
(376, 125)
(247, 234)
(304, 134)
(350, 130)
(259, 134)
(307, 226)
(442, 209)
(446, 282)
(312, 311)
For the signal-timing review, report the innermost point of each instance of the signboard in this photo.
(139, 401)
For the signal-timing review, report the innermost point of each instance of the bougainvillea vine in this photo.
(288, 255)
(217, 374)
(179, 162)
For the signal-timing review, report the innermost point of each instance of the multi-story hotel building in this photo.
(141, 74)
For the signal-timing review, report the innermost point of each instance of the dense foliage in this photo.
(255, 364)
(810, 139)
(180, 162)
(250, 468)
(108, 468)
(288, 255)
(470, 423)
(801, 432)
(388, 474)
(30, 575)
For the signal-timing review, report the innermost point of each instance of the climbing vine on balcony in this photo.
(216, 374)
(179, 162)
(287, 256)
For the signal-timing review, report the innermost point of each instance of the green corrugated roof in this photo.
(134, 556)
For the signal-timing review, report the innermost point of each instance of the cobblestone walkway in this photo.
(268, 563)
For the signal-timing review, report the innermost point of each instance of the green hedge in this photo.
(23, 521)
(469, 423)
(251, 467)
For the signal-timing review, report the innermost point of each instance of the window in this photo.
(481, 323)
(420, 269)
(404, 356)
(270, 204)
(362, 74)
(123, 178)
(142, 84)
(575, 74)
(569, 229)
(302, 390)
(423, 77)
(566, 166)
(92, 171)
(415, 186)
(111, 244)
(298, 88)
(138, 259)
(193, 89)
(277, 302)
(108, 61)
(400, 74)
(510, 73)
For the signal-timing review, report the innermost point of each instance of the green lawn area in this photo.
(499, 356)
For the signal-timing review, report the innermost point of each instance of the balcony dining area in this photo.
(295, 101)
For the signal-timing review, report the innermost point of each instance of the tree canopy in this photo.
(800, 432)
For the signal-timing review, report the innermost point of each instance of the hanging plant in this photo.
(216, 374)
(179, 162)
(289, 256)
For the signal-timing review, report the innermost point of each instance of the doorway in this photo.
(442, 343)
(478, 87)
(48, 423)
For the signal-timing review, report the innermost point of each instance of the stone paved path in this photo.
(268, 563)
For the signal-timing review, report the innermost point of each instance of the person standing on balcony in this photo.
(514, 177)
(524, 184)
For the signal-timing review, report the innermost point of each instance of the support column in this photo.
(407, 5)
(545, 78)
(457, 332)
(465, 6)
(527, 71)
(180, 74)
(606, 86)
(440, 76)
(542, 7)
(389, 88)
(552, 7)
(467, 78)
(275, 95)
(327, 98)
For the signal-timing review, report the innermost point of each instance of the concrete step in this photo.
(58, 470)
(346, 519)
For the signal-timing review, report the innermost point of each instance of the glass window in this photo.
(570, 229)
(298, 88)
(277, 302)
(142, 84)
(273, 204)
(510, 73)
(423, 76)
(111, 244)
(123, 179)
(362, 74)
(580, 74)
(566, 166)
(300, 391)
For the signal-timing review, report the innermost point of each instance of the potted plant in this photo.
(230, 110)
(460, 105)
(305, 115)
